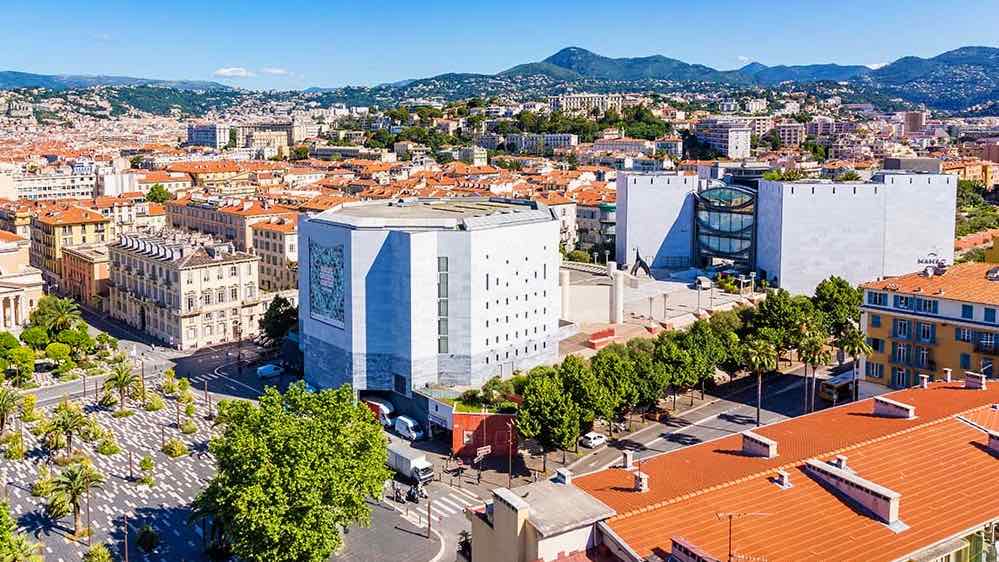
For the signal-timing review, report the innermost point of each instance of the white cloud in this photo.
(876, 65)
(274, 71)
(743, 58)
(233, 72)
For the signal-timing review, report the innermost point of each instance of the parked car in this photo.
(592, 440)
(269, 371)
(408, 428)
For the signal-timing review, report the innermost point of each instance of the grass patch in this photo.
(122, 413)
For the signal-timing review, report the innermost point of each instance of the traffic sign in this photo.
(483, 451)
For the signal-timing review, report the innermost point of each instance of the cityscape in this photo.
(442, 300)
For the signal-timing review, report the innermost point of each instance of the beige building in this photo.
(790, 134)
(85, 275)
(20, 284)
(224, 218)
(276, 242)
(56, 228)
(187, 290)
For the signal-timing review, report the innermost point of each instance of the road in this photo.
(783, 396)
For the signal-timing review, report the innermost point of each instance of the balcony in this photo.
(985, 347)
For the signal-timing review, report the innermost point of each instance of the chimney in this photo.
(880, 501)
(888, 408)
(947, 375)
(628, 459)
(563, 476)
(641, 482)
(783, 479)
(755, 445)
(924, 381)
(839, 462)
(974, 381)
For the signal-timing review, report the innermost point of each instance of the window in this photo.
(926, 305)
(234, 294)
(875, 320)
(874, 370)
(877, 299)
(877, 344)
(399, 384)
(442, 304)
(900, 329)
(927, 332)
(903, 302)
(967, 311)
(990, 315)
(923, 357)
(962, 334)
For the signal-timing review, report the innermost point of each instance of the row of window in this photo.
(927, 306)
(516, 352)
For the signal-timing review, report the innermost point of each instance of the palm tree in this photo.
(854, 343)
(121, 380)
(10, 400)
(814, 352)
(72, 485)
(761, 356)
(68, 420)
(22, 549)
(57, 314)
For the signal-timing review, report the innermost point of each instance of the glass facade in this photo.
(725, 224)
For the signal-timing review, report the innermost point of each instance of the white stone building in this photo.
(399, 295)
(55, 186)
(655, 217)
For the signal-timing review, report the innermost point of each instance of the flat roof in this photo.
(464, 213)
(556, 508)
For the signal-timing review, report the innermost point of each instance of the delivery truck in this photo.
(412, 465)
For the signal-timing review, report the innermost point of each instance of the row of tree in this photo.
(562, 402)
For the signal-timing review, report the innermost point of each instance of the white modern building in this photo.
(399, 295)
(730, 137)
(540, 143)
(894, 224)
(55, 186)
(655, 218)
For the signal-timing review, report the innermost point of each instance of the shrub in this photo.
(42, 486)
(122, 413)
(148, 539)
(15, 448)
(39, 428)
(71, 458)
(146, 465)
(186, 397)
(188, 427)
(108, 446)
(184, 384)
(154, 402)
(107, 400)
(189, 410)
(579, 256)
(98, 553)
(28, 413)
(507, 407)
(169, 384)
(471, 396)
(92, 431)
(174, 448)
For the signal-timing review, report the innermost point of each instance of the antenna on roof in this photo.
(730, 515)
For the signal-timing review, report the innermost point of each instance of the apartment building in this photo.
(16, 218)
(540, 143)
(55, 186)
(586, 103)
(473, 155)
(56, 228)
(790, 133)
(596, 223)
(276, 242)
(212, 135)
(227, 219)
(208, 173)
(85, 274)
(755, 105)
(730, 138)
(875, 480)
(185, 289)
(930, 322)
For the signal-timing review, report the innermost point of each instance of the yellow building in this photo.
(57, 228)
(930, 322)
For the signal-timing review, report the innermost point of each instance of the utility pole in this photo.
(730, 515)
(509, 453)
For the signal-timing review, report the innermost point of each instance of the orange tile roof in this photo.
(204, 167)
(963, 282)
(689, 486)
(286, 226)
(71, 215)
(6, 236)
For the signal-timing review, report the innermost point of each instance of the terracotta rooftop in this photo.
(688, 487)
(963, 282)
(71, 215)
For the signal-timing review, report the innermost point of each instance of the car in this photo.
(592, 440)
(269, 371)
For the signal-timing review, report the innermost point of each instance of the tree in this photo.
(840, 302)
(854, 343)
(68, 421)
(121, 380)
(814, 353)
(613, 368)
(78, 339)
(651, 379)
(548, 415)
(10, 402)
(586, 392)
(55, 314)
(71, 486)
(158, 194)
(279, 318)
(848, 175)
(36, 337)
(8, 342)
(22, 360)
(761, 357)
(58, 352)
(317, 457)
(14, 546)
(300, 152)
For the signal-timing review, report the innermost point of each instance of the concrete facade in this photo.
(397, 296)
(655, 214)
(892, 225)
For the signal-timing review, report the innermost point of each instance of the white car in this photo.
(592, 440)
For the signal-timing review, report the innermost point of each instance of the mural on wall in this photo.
(326, 298)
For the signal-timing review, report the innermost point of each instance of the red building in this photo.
(473, 430)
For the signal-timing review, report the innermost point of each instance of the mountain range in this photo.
(12, 79)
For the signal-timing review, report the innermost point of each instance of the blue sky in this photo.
(288, 44)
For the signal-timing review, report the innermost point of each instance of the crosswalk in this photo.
(445, 503)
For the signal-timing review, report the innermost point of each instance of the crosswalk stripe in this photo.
(442, 509)
(449, 504)
(459, 499)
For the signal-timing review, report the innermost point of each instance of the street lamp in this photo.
(238, 332)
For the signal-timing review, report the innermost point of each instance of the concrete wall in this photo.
(656, 215)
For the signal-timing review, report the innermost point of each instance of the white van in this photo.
(269, 371)
(408, 428)
(382, 409)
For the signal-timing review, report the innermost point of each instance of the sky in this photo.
(292, 44)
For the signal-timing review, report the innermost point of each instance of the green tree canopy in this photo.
(614, 369)
(55, 314)
(158, 194)
(22, 360)
(293, 471)
(279, 318)
(582, 386)
(840, 302)
(36, 337)
(14, 546)
(58, 352)
(548, 414)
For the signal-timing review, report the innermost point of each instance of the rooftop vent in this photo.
(992, 274)
(627, 459)
(641, 482)
(881, 502)
(563, 476)
(948, 373)
(924, 381)
(783, 479)
(974, 381)
(888, 408)
(839, 462)
(756, 445)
